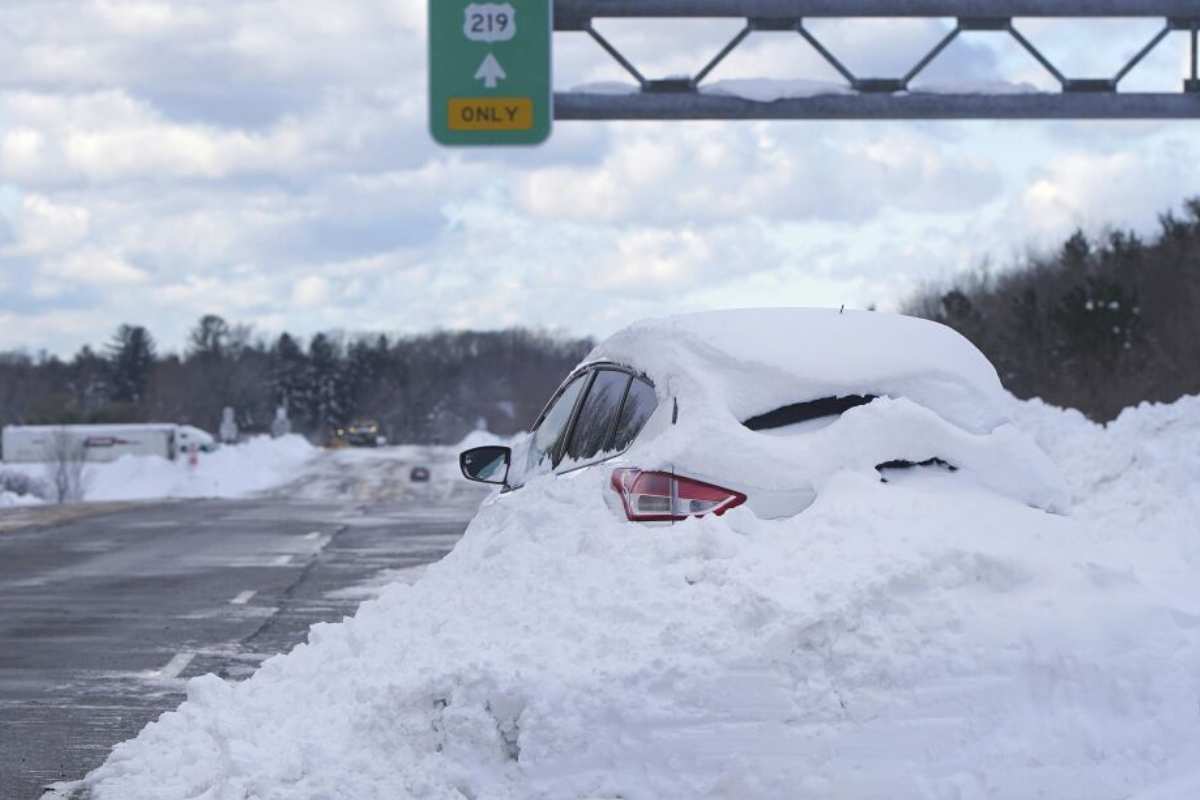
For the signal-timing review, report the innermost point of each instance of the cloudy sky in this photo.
(268, 160)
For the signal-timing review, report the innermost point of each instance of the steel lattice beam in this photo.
(883, 97)
(697, 106)
(587, 9)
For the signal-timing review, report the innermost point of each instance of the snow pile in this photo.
(232, 471)
(12, 500)
(925, 638)
(1135, 482)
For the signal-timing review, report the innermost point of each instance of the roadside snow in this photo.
(921, 639)
(11, 500)
(231, 471)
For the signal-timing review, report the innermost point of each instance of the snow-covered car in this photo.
(699, 414)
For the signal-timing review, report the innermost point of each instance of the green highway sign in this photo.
(489, 72)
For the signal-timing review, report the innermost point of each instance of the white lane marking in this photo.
(281, 561)
(176, 665)
(313, 535)
(243, 597)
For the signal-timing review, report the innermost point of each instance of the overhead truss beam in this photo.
(790, 9)
(867, 97)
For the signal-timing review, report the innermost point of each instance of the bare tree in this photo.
(65, 460)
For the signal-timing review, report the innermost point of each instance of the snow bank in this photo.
(920, 639)
(232, 471)
(13, 500)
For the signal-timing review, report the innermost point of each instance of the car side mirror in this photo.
(486, 464)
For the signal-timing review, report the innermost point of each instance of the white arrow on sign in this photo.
(490, 72)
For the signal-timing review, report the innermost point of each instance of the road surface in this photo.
(104, 617)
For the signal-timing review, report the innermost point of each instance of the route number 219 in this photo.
(490, 22)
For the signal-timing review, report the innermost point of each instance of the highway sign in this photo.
(489, 72)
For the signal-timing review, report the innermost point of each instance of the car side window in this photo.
(639, 404)
(544, 442)
(598, 415)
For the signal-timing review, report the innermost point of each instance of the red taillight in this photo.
(663, 497)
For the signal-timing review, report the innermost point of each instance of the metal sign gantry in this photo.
(883, 97)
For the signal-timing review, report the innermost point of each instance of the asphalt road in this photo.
(103, 618)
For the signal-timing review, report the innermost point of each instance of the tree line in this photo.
(1099, 324)
(432, 388)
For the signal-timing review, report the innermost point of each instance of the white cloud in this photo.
(21, 152)
(91, 267)
(310, 291)
(144, 18)
(673, 173)
(45, 226)
(1122, 189)
(110, 136)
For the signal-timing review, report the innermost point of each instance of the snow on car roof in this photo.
(756, 360)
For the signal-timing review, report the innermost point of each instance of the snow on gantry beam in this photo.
(874, 96)
(572, 11)
(700, 106)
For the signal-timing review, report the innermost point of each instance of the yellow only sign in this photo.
(491, 113)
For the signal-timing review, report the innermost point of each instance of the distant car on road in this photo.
(361, 433)
(702, 413)
(419, 475)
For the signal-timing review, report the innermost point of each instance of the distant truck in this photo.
(100, 443)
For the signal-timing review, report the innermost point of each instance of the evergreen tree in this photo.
(327, 390)
(289, 376)
(131, 358)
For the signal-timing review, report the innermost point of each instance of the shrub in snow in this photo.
(18, 483)
(65, 463)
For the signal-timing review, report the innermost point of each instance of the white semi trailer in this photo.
(37, 443)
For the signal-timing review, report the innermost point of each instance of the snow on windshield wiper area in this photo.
(803, 412)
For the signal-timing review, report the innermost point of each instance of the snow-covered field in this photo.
(926, 638)
(232, 471)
